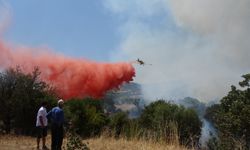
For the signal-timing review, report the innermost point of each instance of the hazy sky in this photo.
(198, 48)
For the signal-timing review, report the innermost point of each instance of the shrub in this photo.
(232, 117)
(20, 98)
(163, 119)
(86, 115)
(74, 142)
(117, 122)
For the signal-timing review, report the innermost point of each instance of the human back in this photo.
(56, 115)
(42, 113)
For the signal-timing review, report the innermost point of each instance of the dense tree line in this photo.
(232, 118)
(21, 95)
(160, 120)
(165, 117)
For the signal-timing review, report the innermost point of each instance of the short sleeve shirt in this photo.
(41, 112)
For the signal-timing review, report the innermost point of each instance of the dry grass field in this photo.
(11, 142)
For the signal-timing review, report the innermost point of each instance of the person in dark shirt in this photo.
(56, 116)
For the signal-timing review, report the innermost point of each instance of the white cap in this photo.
(60, 101)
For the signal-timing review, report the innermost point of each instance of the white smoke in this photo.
(198, 48)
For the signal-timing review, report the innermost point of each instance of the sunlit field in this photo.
(12, 142)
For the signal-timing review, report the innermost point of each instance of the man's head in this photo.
(44, 103)
(60, 103)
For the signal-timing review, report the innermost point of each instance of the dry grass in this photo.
(17, 143)
(104, 143)
(11, 142)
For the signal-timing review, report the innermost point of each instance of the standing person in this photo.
(41, 125)
(56, 116)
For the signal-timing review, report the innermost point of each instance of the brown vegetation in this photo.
(13, 142)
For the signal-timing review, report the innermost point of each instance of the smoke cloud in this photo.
(198, 48)
(71, 77)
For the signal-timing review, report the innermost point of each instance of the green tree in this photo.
(20, 97)
(232, 116)
(118, 122)
(86, 115)
(163, 118)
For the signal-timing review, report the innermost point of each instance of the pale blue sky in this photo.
(78, 28)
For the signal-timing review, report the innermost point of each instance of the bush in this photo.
(232, 117)
(74, 142)
(164, 119)
(118, 121)
(86, 116)
(21, 98)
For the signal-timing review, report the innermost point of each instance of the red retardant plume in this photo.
(71, 77)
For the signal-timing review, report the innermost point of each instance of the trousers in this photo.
(56, 136)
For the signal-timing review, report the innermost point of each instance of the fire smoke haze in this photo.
(198, 48)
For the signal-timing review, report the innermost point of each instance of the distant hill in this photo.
(127, 98)
(195, 104)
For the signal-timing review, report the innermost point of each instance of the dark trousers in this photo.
(56, 136)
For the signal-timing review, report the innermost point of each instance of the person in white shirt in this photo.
(41, 125)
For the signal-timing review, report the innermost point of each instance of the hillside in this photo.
(127, 99)
(193, 103)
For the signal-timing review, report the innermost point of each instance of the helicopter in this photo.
(140, 62)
